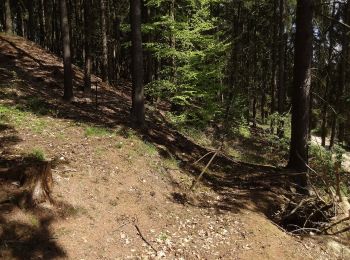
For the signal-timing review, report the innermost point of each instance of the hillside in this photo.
(121, 194)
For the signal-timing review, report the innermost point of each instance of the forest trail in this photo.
(120, 194)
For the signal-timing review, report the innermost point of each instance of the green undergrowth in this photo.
(97, 131)
(327, 164)
(37, 154)
(12, 115)
(17, 117)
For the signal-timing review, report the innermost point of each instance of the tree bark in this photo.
(42, 23)
(273, 67)
(8, 17)
(342, 75)
(19, 13)
(298, 157)
(31, 24)
(67, 63)
(138, 108)
(281, 59)
(87, 43)
(104, 42)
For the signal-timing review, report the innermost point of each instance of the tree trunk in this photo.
(138, 108)
(104, 42)
(20, 29)
(8, 17)
(42, 23)
(172, 40)
(298, 157)
(273, 67)
(87, 43)
(31, 24)
(281, 59)
(68, 84)
(342, 75)
(35, 178)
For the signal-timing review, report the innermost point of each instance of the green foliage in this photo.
(10, 114)
(39, 126)
(243, 131)
(37, 106)
(37, 154)
(327, 162)
(148, 148)
(97, 131)
(193, 69)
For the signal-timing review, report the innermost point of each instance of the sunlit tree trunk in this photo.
(8, 17)
(138, 107)
(87, 47)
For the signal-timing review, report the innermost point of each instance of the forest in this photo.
(189, 129)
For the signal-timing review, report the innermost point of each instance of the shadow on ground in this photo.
(39, 76)
(25, 231)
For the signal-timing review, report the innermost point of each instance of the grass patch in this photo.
(91, 131)
(171, 163)
(34, 221)
(39, 126)
(148, 148)
(37, 154)
(12, 115)
(127, 133)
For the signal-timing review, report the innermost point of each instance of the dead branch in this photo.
(346, 229)
(144, 239)
(203, 157)
(204, 170)
(335, 223)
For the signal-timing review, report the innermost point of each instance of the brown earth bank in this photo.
(121, 194)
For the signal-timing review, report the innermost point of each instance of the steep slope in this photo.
(119, 194)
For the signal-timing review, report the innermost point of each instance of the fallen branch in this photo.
(305, 229)
(341, 231)
(144, 239)
(336, 223)
(203, 157)
(204, 170)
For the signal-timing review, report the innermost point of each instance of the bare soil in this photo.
(122, 194)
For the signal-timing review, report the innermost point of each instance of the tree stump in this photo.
(34, 181)
(37, 181)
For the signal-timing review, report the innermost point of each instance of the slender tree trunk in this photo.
(262, 105)
(254, 111)
(298, 157)
(42, 23)
(87, 43)
(342, 75)
(149, 64)
(104, 42)
(68, 84)
(273, 67)
(138, 107)
(20, 30)
(333, 131)
(117, 49)
(31, 23)
(281, 71)
(8, 17)
(172, 40)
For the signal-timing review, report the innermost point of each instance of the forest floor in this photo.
(121, 194)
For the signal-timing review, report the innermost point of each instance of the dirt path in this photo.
(120, 194)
